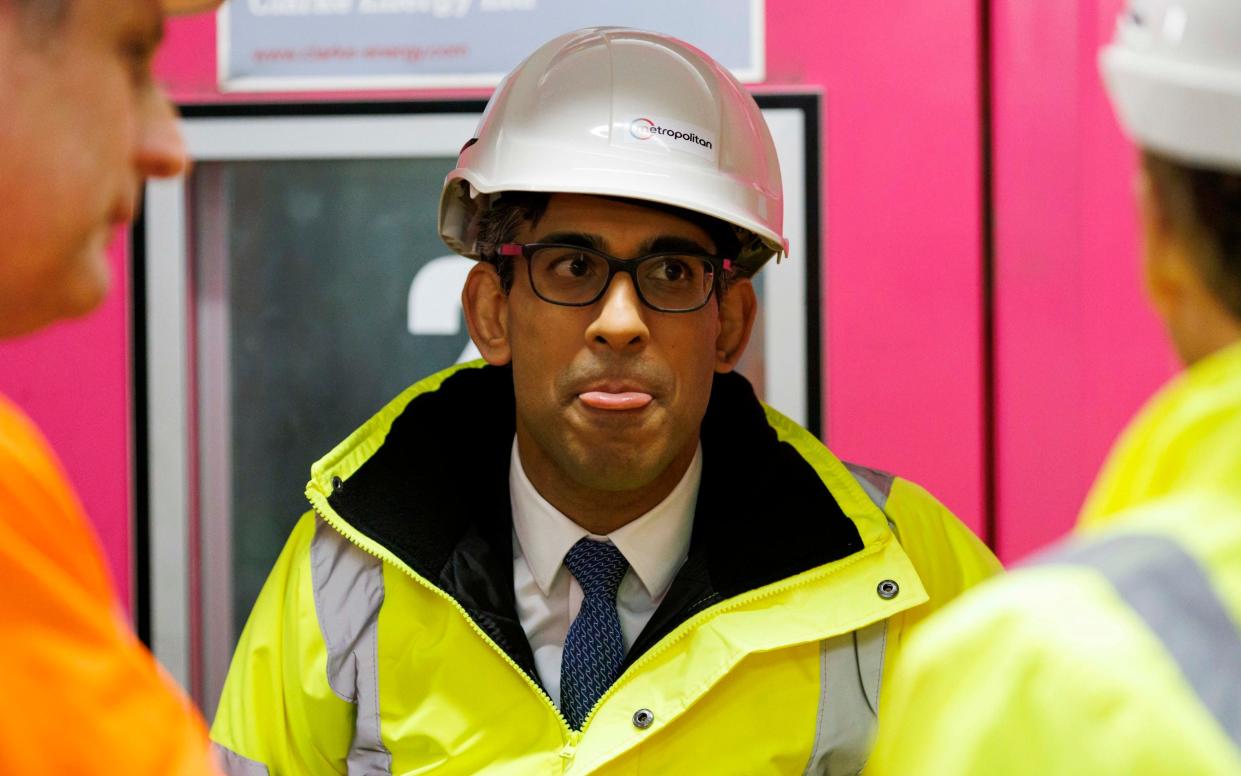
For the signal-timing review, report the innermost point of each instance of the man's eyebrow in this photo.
(578, 239)
(670, 244)
(658, 244)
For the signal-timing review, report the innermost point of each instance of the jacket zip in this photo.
(387, 557)
(574, 737)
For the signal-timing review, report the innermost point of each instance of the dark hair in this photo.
(1204, 206)
(501, 222)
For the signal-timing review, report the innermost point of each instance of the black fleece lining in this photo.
(436, 495)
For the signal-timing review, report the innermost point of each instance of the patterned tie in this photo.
(594, 648)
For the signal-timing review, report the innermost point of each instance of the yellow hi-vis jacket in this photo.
(386, 639)
(1118, 653)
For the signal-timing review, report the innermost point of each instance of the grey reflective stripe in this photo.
(234, 764)
(1168, 589)
(877, 484)
(850, 672)
(349, 589)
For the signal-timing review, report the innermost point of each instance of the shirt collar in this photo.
(655, 544)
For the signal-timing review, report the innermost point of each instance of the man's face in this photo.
(83, 125)
(611, 395)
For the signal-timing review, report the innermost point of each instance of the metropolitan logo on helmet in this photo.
(675, 136)
(642, 129)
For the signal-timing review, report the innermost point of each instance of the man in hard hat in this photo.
(595, 549)
(1120, 652)
(83, 125)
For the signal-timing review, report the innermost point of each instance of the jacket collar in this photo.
(1185, 438)
(427, 479)
(441, 475)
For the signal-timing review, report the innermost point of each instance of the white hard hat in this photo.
(1174, 74)
(622, 113)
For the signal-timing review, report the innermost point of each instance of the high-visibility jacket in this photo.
(386, 639)
(1117, 653)
(81, 693)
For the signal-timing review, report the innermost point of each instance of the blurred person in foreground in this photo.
(83, 125)
(1119, 652)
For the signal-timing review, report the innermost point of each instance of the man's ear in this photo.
(738, 308)
(1167, 272)
(486, 313)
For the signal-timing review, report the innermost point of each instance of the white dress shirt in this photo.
(548, 596)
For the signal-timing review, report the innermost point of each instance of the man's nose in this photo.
(621, 322)
(160, 151)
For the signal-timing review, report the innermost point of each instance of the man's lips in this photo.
(615, 400)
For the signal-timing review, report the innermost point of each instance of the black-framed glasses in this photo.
(575, 276)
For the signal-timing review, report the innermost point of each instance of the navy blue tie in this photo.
(594, 648)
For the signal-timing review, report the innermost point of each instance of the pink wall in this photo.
(903, 223)
(1077, 349)
(902, 246)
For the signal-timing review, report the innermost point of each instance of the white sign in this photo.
(288, 45)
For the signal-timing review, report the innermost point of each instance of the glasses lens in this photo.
(673, 282)
(567, 275)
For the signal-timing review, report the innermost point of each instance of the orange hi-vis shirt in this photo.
(81, 695)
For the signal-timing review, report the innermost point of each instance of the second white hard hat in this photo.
(1174, 75)
(618, 112)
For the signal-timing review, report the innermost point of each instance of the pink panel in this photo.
(72, 379)
(903, 317)
(1077, 348)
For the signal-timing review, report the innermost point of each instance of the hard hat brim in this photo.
(768, 245)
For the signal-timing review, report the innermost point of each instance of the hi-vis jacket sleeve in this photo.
(1045, 673)
(277, 711)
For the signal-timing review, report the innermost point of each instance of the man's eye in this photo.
(579, 266)
(572, 265)
(672, 270)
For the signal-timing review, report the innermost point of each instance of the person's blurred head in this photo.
(84, 124)
(1191, 218)
(1173, 72)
